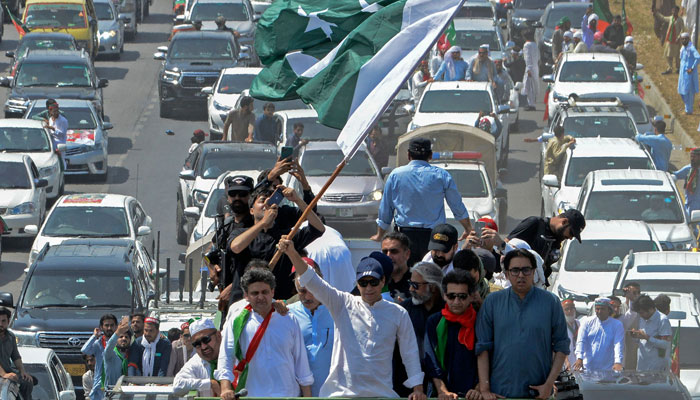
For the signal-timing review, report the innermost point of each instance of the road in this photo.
(144, 162)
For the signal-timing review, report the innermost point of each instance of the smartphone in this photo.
(478, 227)
(286, 153)
(276, 197)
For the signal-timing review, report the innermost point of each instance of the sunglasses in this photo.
(461, 296)
(374, 282)
(186, 335)
(238, 193)
(416, 285)
(526, 271)
(203, 340)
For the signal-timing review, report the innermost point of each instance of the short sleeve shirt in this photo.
(8, 351)
(239, 124)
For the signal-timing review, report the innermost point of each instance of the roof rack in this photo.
(574, 100)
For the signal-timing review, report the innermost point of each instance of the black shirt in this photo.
(400, 288)
(516, 69)
(537, 233)
(220, 240)
(614, 35)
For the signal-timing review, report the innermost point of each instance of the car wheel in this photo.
(181, 233)
(164, 110)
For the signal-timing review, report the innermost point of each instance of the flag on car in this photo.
(601, 8)
(16, 23)
(351, 86)
(449, 37)
(675, 352)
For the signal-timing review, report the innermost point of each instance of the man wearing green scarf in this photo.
(116, 354)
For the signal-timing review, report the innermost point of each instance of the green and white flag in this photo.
(351, 86)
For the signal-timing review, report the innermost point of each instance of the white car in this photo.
(471, 33)
(639, 195)
(224, 94)
(30, 137)
(22, 194)
(460, 102)
(54, 382)
(93, 215)
(314, 131)
(589, 154)
(584, 73)
(586, 269)
(665, 271)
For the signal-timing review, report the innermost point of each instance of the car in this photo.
(589, 154)
(22, 194)
(110, 28)
(57, 74)
(223, 94)
(353, 198)
(547, 24)
(87, 142)
(582, 73)
(53, 381)
(523, 15)
(629, 385)
(460, 103)
(633, 103)
(479, 9)
(585, 268)
(31, 138)
(69, 286)
(639, 195)
(239, 15)
(205, 164)
(92, 215)
(472, 33)
(40, 41)
(192, 61)
(314, 131)
(127, 13)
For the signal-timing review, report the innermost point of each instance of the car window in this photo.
(44, 44)
(258, 105)
(34, 169)
(52, 74)
(20, 140)
(13, 175)
(140, 215)
(191, 159)
(474, 12)
(471, 40)
(63, 377)
(470, 183)
(655, 207)
(579, 167)
(215, 163)
(602, 255)
(55, 15)
(104, 12)
(582, 126)
(593, 72)
(313, 130)
(210, 11)
(64, 288)
(195, 48)
(322, 162)
(78, 117)
(668, 284)
(44, 389)
(456, 101)
(87, 222)
(639, 112)
(216, 203)
(235, 83)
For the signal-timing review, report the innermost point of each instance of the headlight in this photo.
(171, 76)
(48, 171)
(18, 102)
(24, 208)
(683, 246)
(221, 107)
(26, 338)
(108, 34)
(200, 198)
(375, 196)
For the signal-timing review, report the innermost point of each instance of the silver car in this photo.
(110, 28)
(127, 13)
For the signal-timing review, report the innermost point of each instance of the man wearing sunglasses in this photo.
(518, 329)
(198, 372)
(367, 328)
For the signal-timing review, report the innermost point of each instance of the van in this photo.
(75, 17)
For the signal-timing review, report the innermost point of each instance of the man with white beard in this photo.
(572, 326)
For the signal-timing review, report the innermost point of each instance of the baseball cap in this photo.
(489, 223)
(443, 238)
(420, 145)
(369, 267)
(576, 221)
(239, 182)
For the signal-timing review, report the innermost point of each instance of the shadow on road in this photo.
(118, 175)
(159, 19)
(12, 270)
(152, 37)
(112, 73)
(130, 55)
(519, 171)
(119, 145)
(526, 126)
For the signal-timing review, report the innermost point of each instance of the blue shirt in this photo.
(688, 82)
(317, 330)
(443, 74)
(112, 364)
(692, 200)
(520, 336)
(587, 32)
(660, 147)
(93, 347)
(267, 129)
(483, 75)
(415, 195)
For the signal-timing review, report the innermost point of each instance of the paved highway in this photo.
(144, 162)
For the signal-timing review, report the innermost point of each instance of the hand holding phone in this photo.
(286, 152)
(276, 197)
(478, 227)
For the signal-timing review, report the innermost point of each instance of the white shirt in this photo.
(600, 344)
(364, 339)
(333, 257)
(447, 268)
(60, 131)
(280, 357)
(654, 354)
(194, 375)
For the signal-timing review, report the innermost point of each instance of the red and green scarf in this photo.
(466, 332)
(240, 371)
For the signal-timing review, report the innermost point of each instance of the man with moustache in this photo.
(572, 326)
(137, 322)
(95, 347)
(181, 351)
(150, 355)
(397, 246)
(198, 372)
(116, 354)
(443, 246)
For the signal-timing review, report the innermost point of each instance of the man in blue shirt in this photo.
(589, 25)
(517, 331)
(414, 198)
(95, 347)
(453, 68)
(659, 144)
(267, 126)
(294, 138)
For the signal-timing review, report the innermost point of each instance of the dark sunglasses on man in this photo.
(203, 340)
(374, 282)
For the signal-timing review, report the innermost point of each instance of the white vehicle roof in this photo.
(593, 57)
(325, 145)
(683, 265)
(607, 147)
(474, 24)
(20, 123)
(92, 200)
(240, 70)
(457, 85)
(303, 113)
(631, 180)
(616, 230)
(13, 157)
(35, 355)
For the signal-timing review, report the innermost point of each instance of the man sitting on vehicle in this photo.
(9, 353)
(198, 371)
(150, 356)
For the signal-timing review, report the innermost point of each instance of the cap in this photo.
(420, 145)
(604, 301)
(629, 39)
(443, 238)
(567, 301)
(384, 260)
(576, 221)
(488, 223)
(516, 243)
(369, 267)
(201, 325)
(563, 20)
(569, 34)
(485, 47)
(487, 259)
(592, 17)
(239, 182)
(184, 326)
(199, 132)
(311, 263)
(685, 35)
(598, 36)
(578, 35)
(151, 320)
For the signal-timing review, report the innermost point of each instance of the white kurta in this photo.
(194, 375)
(280, 358)
(531, 55)
(364, 339)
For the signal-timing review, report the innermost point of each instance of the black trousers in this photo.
(419, 237)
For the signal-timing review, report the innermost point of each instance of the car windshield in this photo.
(471, 40)
(655, 207)
(574, 15)
(78, 117)
(534, 4)
(55, 15)
(209, 11)
(104, 12)
(602, 255)
(44, 44)
(322, 162)
(456, 101)
(208, 49)
(44, 389)
(87, 222)
(470, 183)
(670, 284)
(51, 74)
(216, 163)
(600, 126)
(71, 288)
(579, 167)
(235, 83)
(639, 112)
(475, 11)
(313, 130)
(593, 72)
(19, 140)
(13, 175)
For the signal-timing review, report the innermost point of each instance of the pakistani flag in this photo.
(350, 83)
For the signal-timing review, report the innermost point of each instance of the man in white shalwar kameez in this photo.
(198, 372)
(531, 55)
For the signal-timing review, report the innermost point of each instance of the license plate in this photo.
(344, 212)
(75, 369)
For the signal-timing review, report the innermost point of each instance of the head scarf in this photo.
(578, 35)
(476, 65)
(149, 355)
(604, 301)
(450, 62)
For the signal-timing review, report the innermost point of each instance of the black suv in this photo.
(58, 74)
(70, 286)
(524, 15)
(193, 61)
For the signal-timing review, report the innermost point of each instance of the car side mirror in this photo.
(518, 86)
(159, 56)
(162, 49)
(695, 216)
(192, 212)
(10, 54)
(256, 17)
(503, 109)
(107, 126)
(6, 299)
(503, 23)
(639, 66)
(207, 90)
(386, 170)
(179, 19)
(102, 83)
(555, 267)
(548, 78)
(640, 78)
(677, 315)
(537, 24)
(187, 175)
(41, 183)
(143, 231)
(245, 53)
(550, 180)
(61, 147)
(31, 229)
(66, 395)
(5, 81)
